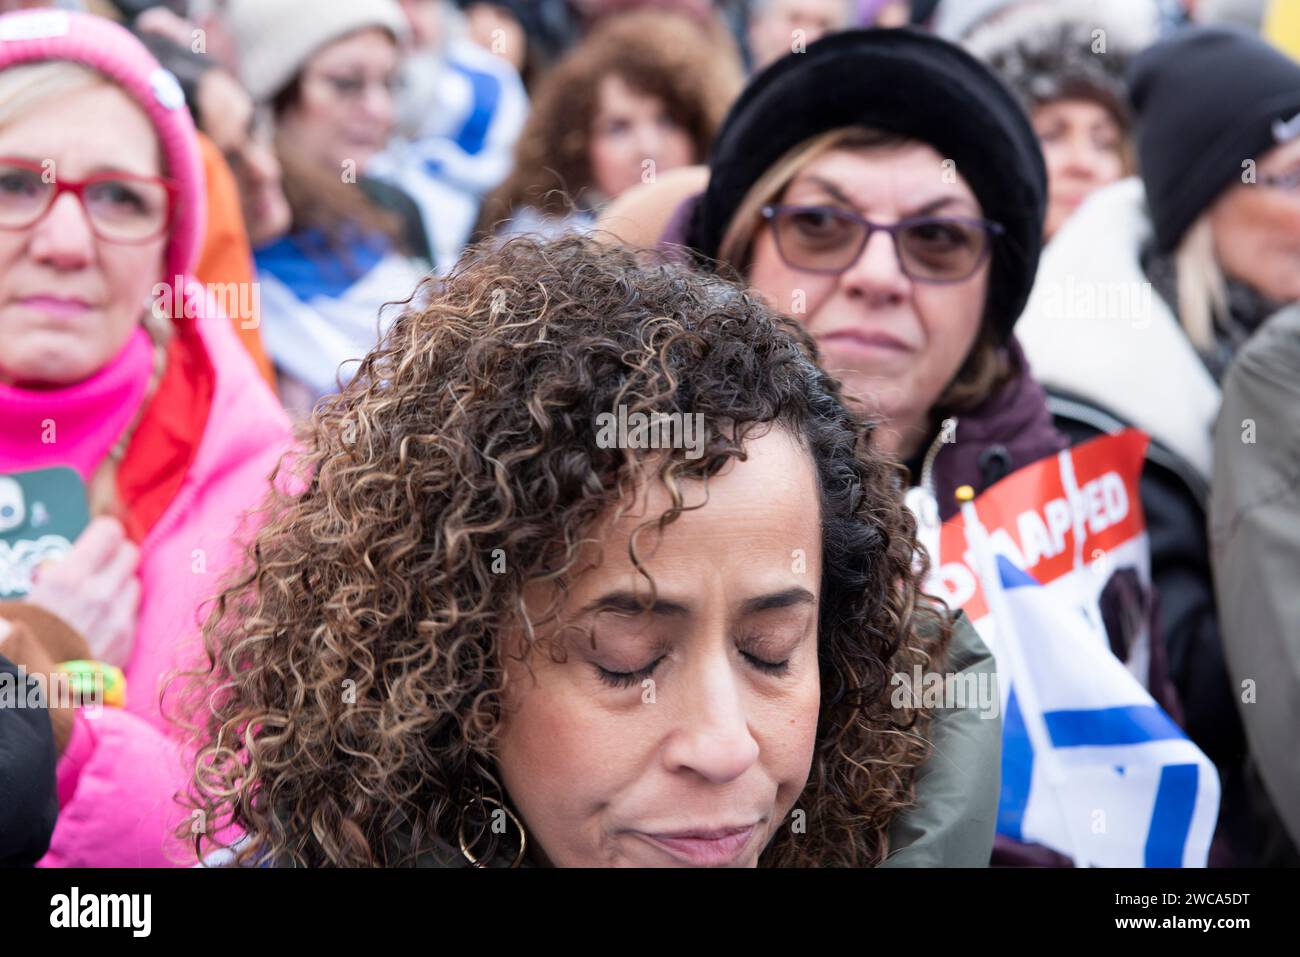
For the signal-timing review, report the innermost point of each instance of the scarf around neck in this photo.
(75, 425)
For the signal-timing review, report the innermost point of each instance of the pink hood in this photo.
(122, 769)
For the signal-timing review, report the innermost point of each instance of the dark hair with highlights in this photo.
(470, 428)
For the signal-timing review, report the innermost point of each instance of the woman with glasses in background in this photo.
(109, 368)
(329, 73)
(903, 232)
(900, 221)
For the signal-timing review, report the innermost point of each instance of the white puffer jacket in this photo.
(1095, 329)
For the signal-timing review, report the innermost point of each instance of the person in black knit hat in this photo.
(1211, 103)
(896, 128)
(936, 94)
(1143, 300)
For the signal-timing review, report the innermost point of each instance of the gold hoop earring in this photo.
(523, 835)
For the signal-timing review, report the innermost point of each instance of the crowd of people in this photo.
(326, 303)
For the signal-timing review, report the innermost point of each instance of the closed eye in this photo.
(626, 679)
(767, 667)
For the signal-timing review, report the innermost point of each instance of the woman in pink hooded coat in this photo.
(116, 364)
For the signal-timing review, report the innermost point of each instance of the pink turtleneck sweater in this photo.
(74, 425)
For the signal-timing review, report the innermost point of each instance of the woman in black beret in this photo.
(887, 190)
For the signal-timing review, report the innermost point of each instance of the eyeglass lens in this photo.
(822, 239)
(125, 209)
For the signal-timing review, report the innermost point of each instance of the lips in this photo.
(705, 848)
(864, 340)
(58, 307)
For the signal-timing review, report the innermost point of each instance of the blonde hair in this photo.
(22, 88)
(986, 368)
(1202, 289)
(737, 242)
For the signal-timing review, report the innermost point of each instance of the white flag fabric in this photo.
(1092, 767)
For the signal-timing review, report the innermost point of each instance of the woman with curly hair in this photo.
(641, 95)
(591, 566)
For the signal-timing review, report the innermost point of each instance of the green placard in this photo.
(41, 515)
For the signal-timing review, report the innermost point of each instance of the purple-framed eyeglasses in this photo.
(830, 239)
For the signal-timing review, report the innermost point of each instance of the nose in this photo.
(1081, 157)
(63, 238)
(877, 276)
(713, 738)
(263, 165)
(648, 139)
(378, 103)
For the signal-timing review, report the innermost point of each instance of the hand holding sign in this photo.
(94, 589)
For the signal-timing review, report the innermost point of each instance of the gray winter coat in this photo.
(1255, 539)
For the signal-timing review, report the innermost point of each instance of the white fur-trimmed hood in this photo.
(1096, 329)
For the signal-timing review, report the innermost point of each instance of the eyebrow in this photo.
(116, 170)
(630, 603)
(935, 205)
(840, 196)
(94, 171)
(788, 598)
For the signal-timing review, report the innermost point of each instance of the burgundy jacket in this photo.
(1007, 431)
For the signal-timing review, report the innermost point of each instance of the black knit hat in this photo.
(1206, 100)
(902, 81)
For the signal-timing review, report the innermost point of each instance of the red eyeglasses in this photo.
(121, 207)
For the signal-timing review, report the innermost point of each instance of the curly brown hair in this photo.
(471, 428)
(656, 54)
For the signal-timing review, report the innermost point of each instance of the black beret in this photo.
(902, 81)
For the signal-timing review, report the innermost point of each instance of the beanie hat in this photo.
(32, 36)
(276, 38)
(1207, 99)
(188, 67)
(1049, 52)
(906, 82)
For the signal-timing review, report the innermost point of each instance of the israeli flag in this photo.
(1092, 767)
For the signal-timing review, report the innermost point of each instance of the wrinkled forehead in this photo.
(752, 522)
(908, 176)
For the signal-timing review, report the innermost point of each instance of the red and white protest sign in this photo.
(1073, 521)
